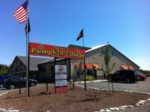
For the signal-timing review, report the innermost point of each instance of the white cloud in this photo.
(143, 62)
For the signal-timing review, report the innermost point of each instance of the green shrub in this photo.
(89, 78)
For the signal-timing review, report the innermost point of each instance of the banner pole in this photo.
(27, 57)
(84, 68)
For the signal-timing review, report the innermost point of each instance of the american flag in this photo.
(21, 12)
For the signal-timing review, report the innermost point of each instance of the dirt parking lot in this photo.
(139, 86)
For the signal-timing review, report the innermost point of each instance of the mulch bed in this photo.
(76, 100)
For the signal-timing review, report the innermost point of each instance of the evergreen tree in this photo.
(3, 69)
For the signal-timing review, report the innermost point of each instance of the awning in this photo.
(96, 66)
(125, 67)
(78, 65)
(131, 68)
(87, 66)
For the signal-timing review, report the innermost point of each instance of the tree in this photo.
(3, 69)
(107, 70)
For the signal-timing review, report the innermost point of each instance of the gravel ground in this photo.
(76, 100)
(140, 86)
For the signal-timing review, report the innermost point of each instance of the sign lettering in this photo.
(55, 51)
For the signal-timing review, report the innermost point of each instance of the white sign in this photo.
(60, 69)
(61, 76)
(60, 83)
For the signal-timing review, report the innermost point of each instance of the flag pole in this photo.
(84, 68)
(27, 55)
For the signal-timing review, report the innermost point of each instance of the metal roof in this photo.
(78, 47)
(34, 61)
(96, 47)
(104, 45)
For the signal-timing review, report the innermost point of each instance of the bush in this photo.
(89, 78)
(109, 77)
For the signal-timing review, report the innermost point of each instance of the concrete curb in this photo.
(1, 94)
(8, 110)
(81, 82)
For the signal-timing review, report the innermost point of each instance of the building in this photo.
(18, 66)
(43, 68)
(95, 56)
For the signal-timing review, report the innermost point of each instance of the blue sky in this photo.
(125, 24)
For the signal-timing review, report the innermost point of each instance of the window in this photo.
(103, 52)
(113, 53)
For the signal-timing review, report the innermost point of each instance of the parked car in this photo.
(18, 82)
(4, 77)
(140, 75)
(123, 75)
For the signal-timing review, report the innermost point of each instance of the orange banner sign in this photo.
(37, 49)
